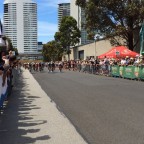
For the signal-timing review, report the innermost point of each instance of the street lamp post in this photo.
(96, 37)
(95, 50)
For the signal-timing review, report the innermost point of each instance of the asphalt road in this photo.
(29, 116)
(104, 110)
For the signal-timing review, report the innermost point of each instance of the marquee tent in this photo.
(118, 52)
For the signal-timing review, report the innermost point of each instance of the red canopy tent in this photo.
(118, 52)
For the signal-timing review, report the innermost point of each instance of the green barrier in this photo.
(115, 71)
(137, 72)
(141, 73)
(129, 72)
(121, 71)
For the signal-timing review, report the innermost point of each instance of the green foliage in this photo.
(81, 3)
(10, 46)
(16, 51)
(68, 51)
(3, 46)
(114, 18)
(52, 51)
(68, 34)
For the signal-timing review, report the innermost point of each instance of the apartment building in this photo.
(20, 24)
(63, 10)
(78, 13)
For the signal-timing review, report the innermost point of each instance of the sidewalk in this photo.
(31, 118)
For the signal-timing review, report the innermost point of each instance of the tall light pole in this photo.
(95, 50)
(96, 37)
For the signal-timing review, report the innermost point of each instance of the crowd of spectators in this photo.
(102, 66)
(91, 65)
(7, 63)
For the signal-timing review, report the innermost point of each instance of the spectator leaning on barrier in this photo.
(92, 63)
(106, 63)
(97, 61)
(137, 60)
(127, 59)
(131, 61)
(115, 62)
(123, 62)
(79, 65)
(111, 61)
(13, 62)
(141, 60)
(2, 81)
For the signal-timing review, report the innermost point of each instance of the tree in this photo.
(16, 51)
(9, 45)
(52, 51)
(120, 18)
(6, 44)
(68, 34)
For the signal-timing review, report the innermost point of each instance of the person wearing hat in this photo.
(131, 61)
(137, 60)
(123, 62)
(141, 60)
(127, 59)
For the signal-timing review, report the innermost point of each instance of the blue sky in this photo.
(47, 18)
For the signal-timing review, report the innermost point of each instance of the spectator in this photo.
(142, 61)
(131, 61)
(137, 60)
(123, 62)
(2, 82)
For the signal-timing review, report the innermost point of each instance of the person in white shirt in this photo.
(123, 61)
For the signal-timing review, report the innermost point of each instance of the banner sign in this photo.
(141, 72)
(115, 71)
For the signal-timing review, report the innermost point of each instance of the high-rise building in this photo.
(78, 14)
(63, 10)
(20, 24)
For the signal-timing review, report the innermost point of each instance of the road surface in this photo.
(104, 110)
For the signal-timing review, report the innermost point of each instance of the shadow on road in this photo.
(17, 125)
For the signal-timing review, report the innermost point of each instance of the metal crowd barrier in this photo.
(128, 72)
(94, 69)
